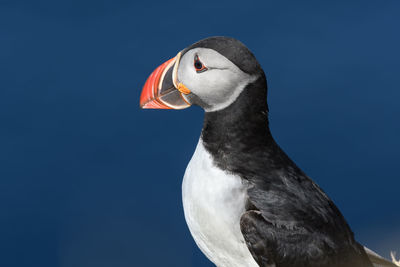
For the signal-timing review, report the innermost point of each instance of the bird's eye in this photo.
(198, 65)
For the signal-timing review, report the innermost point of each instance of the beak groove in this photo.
(160, 92)
(149, 97)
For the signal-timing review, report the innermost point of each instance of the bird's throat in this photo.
(241, 130)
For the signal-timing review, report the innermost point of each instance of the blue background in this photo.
(89, 179)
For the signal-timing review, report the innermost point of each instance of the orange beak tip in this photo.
(161, 93)
(149, 97)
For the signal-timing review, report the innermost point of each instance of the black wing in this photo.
(292, 222)
(255, 231)
(295, 215)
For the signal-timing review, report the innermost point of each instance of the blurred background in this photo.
(87, 179)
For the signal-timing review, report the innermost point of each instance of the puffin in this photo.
(246, 203)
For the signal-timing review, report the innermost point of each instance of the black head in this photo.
(232, 49)
(211, 73)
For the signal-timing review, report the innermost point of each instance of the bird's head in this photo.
(211, 73)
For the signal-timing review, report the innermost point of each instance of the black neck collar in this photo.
(240, 133)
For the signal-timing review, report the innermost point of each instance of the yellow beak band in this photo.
(183, 89)
(180, 86)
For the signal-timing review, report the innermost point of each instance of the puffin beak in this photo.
(162, 91)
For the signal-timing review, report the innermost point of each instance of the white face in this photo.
(219, 85)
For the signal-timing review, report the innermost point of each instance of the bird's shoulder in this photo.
(288, 198)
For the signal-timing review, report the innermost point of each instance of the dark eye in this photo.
(198, 65)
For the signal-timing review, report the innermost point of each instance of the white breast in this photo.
(213, 201)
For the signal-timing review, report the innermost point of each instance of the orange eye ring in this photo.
(198, 65)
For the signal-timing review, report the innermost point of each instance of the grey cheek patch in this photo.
(218, 86)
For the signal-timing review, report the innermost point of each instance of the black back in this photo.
(240, 142)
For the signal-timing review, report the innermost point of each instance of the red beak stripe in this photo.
(149, 97)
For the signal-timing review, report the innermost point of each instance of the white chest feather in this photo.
(214, 201)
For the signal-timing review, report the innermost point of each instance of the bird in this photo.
(246, 203)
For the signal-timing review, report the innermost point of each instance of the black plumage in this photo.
(289, 221)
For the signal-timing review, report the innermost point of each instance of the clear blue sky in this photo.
(87, 179)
